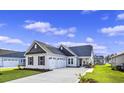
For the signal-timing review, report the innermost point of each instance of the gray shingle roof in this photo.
(16, 55)
(50, 48)
(82, 50)
(3, 51)
(78, 50)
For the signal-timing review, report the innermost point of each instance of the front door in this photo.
(80, 62)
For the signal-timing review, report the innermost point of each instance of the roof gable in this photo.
(65, 51)
(35, 49)
(45, 48)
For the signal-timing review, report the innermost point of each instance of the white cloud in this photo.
(68, 43)
(9, 40)
(1, 24)
(89, 39)
(71, 35)
(39, 26)
(29, 21)
(14, 41)
(120, 16)
(119, 42)
(3, 38)
(46, 27)
(61, 32)
(112, 31)
(105, 17)
(88, 11)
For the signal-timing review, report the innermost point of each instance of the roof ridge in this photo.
(9, 50)
(45, 44)
(48, 47)
(69, 49)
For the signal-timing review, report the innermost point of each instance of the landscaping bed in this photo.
(8, 74)
(103, 74)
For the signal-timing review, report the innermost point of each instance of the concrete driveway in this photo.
(62, 75)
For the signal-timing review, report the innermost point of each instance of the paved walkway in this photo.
(63, 75)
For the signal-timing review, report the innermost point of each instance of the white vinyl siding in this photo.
(51, 61)
(117, 60)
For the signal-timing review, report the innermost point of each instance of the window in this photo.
(30, 60)
(5, 59)
(9, 59)
(22, 60)
(35, 46)
(71, 60)
(50, 57)
(86, 58)
(41, 60)
(61, 48)
(54, 58)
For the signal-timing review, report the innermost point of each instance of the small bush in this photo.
(114, 68)
(86, 80)
(36, 69)
(20, 67)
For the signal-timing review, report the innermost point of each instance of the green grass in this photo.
(104, 74)
(8, 74)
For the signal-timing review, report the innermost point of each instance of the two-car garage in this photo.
(9, 62)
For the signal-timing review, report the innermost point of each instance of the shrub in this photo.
(20, 67)
(114, 68)
(36, 69)
(86, 80)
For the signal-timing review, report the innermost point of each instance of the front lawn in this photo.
(8, 74)
(104, 74)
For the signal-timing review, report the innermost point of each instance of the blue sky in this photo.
(102, 29)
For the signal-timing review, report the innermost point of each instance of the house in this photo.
(117, 59)
(99, 60)
(9, 58)
(43, 56)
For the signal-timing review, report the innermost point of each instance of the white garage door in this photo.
(60, 63)
(54, 63)
(11, 63)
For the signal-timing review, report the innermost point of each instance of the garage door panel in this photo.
(11, 63)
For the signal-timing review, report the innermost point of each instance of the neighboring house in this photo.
(44, 56)
(99, 60)
(9, 58)
(117, 59)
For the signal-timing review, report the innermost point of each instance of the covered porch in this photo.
(84, 61)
